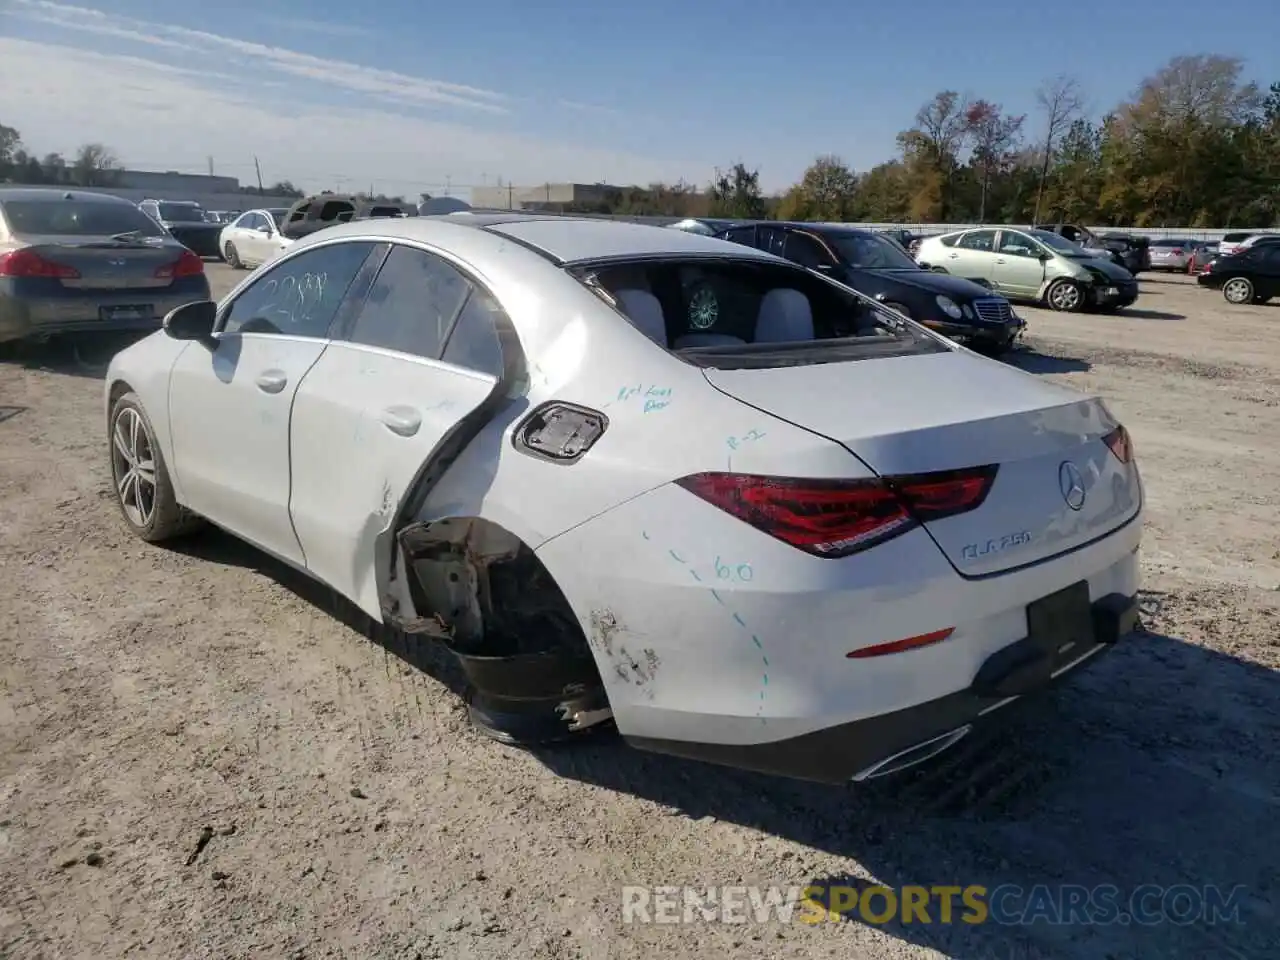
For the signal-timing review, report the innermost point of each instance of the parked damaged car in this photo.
(1034, 266)
(631, 474)
(322, 210)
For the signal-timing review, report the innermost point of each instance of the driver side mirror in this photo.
(1044, 257)
(192, 321)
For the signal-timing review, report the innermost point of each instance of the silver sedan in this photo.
(1170, 253)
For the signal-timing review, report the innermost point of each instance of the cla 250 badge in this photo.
(976, 551)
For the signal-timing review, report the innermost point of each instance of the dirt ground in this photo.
(198, 759)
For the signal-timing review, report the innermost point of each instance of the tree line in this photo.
(1195, 145)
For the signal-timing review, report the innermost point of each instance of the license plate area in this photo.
(1060, 630)
(1061, 624)
(125, 313)
(1110, 291)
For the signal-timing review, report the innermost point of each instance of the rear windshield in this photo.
(77, 218)
(180, 213)
(1171, 243)
(744, 314)
(1236, 237)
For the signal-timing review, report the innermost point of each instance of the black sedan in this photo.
(1251, 276)
(876, 266)
(74, 261)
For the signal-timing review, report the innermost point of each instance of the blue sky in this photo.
(408, 95)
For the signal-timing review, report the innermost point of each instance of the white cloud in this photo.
(165, 116)
(317, 26)
(386, 84)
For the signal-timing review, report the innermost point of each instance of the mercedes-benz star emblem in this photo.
(1071, 483)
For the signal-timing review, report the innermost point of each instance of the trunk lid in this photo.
(106, 264)
(921, 414)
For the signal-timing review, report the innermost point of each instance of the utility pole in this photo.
(510, 200)
(258, 169)
(448, 183)
(211, 166)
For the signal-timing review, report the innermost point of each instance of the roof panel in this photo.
(572, 240)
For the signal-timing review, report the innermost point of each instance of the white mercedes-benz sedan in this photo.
(634, 474)
(253, 238)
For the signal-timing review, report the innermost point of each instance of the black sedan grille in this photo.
(993, 310)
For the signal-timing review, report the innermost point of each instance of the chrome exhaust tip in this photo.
(914, 755)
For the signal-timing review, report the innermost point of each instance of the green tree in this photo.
(736, 194)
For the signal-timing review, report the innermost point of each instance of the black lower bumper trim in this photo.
(838, 754)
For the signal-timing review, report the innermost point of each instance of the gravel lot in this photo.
(198, 759)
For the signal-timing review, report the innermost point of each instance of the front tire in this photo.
(1238, 290)
(144, 492)
(232, 257)
(1065, 296)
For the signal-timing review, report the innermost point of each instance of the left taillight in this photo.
(29, 264)
(187, 265)
(837, 518)
(1120, 444)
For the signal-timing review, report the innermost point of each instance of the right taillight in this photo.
(836, 518)
(1118, 443)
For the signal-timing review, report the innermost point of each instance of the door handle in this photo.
(272, 381)
(955, 256)
(1000, 260)
(403, 421)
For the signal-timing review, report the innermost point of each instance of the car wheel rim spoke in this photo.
(135, 468)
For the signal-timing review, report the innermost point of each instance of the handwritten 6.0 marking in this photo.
(741, 573)
(655, 398)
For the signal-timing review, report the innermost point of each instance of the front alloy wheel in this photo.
(1238, 290)
(143, 489)
(1066, 296)
(134, 467)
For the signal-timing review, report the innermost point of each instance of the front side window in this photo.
(1018, 245)
(980, 240)
(299, 296)
(738, 314)
(412, 304)
(77, 218)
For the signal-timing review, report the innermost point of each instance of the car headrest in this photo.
(784, 316)
(645, 313)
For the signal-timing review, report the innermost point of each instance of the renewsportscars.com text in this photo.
(1008, 904)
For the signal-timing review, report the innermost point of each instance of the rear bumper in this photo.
(33, 308)
(880, 745)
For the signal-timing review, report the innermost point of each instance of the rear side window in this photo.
(412, 304)
(806, 251)
(77, 218)
(474, 343)
(1236, 237)
(949, 240)
(744, 235)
